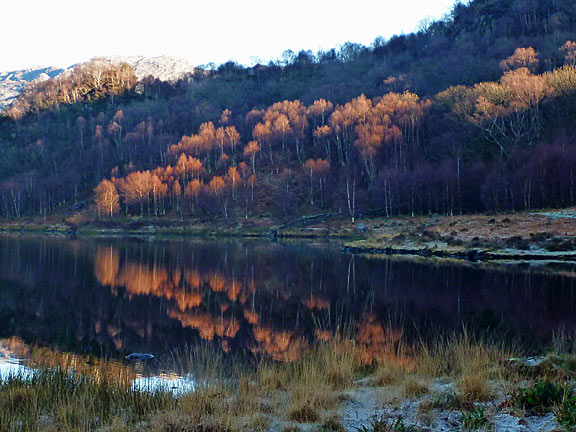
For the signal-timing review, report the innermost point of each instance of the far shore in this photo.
(541, 236)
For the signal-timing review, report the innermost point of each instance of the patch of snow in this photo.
(165, 68)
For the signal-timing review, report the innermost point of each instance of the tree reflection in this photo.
(116, 296)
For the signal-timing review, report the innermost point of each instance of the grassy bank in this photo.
(255, 227)
(457, 384)
(547, 236)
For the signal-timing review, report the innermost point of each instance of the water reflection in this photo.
(17, 359)
(112, 297)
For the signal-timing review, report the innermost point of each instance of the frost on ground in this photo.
(365, 405)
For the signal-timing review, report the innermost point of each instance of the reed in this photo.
(54, 399)
(267, 395)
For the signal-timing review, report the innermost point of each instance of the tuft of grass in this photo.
(303, 413)
(475, 388)
(292, 428)
(313, 381)
(175, 421)
(384, 424)
(389, 373)
(331, 424)
(258, 423)
(246, 400)
(471, 363)
(272, 376)
(444, 401)
(206, 364)
(459, 355)
(413, 387)
(341, 363)
(307, 403)
(475, 420)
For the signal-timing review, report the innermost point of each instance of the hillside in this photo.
(164, 68)
(475, 113)
(13, 82)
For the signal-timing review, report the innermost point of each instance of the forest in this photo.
(472, 113)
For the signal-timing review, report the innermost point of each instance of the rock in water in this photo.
(139, 356)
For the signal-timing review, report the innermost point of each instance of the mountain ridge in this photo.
(164, 67)
(13, 82)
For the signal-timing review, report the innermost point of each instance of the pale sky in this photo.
(64, 32)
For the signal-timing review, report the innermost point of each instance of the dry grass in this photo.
(459, 355)
(303, 413)
(475, 388)
(292, 428)
(414, 387)
(312, 383)
(258, 423)
(471, 364)
(228, 398)
(389, 373)
(206, 364)
(307, 403)
(50, 400)
(331, 424)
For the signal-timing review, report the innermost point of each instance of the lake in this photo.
(95, 297)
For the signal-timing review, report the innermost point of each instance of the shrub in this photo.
(384, 425)
(540, 398)
(566, 414)
(475, 419)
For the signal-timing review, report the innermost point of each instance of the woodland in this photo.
(471, 113)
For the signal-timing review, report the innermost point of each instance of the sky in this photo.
(64, 32)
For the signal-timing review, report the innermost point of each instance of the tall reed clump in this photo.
(472, 363)
(213, 403)
(54, 400)
(311, 383)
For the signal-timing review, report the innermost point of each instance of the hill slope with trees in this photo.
(473, 113)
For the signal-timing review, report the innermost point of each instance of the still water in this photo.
(110, 297)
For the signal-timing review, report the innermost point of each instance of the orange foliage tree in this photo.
(217, 187)
(569, 49)
(522, 58)
(250, 151)
(136, 188)
(509, 112)
(317, 170)
(192, 192)
(107, 199)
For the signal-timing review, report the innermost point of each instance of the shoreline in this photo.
(474, 238)
(471, 255)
